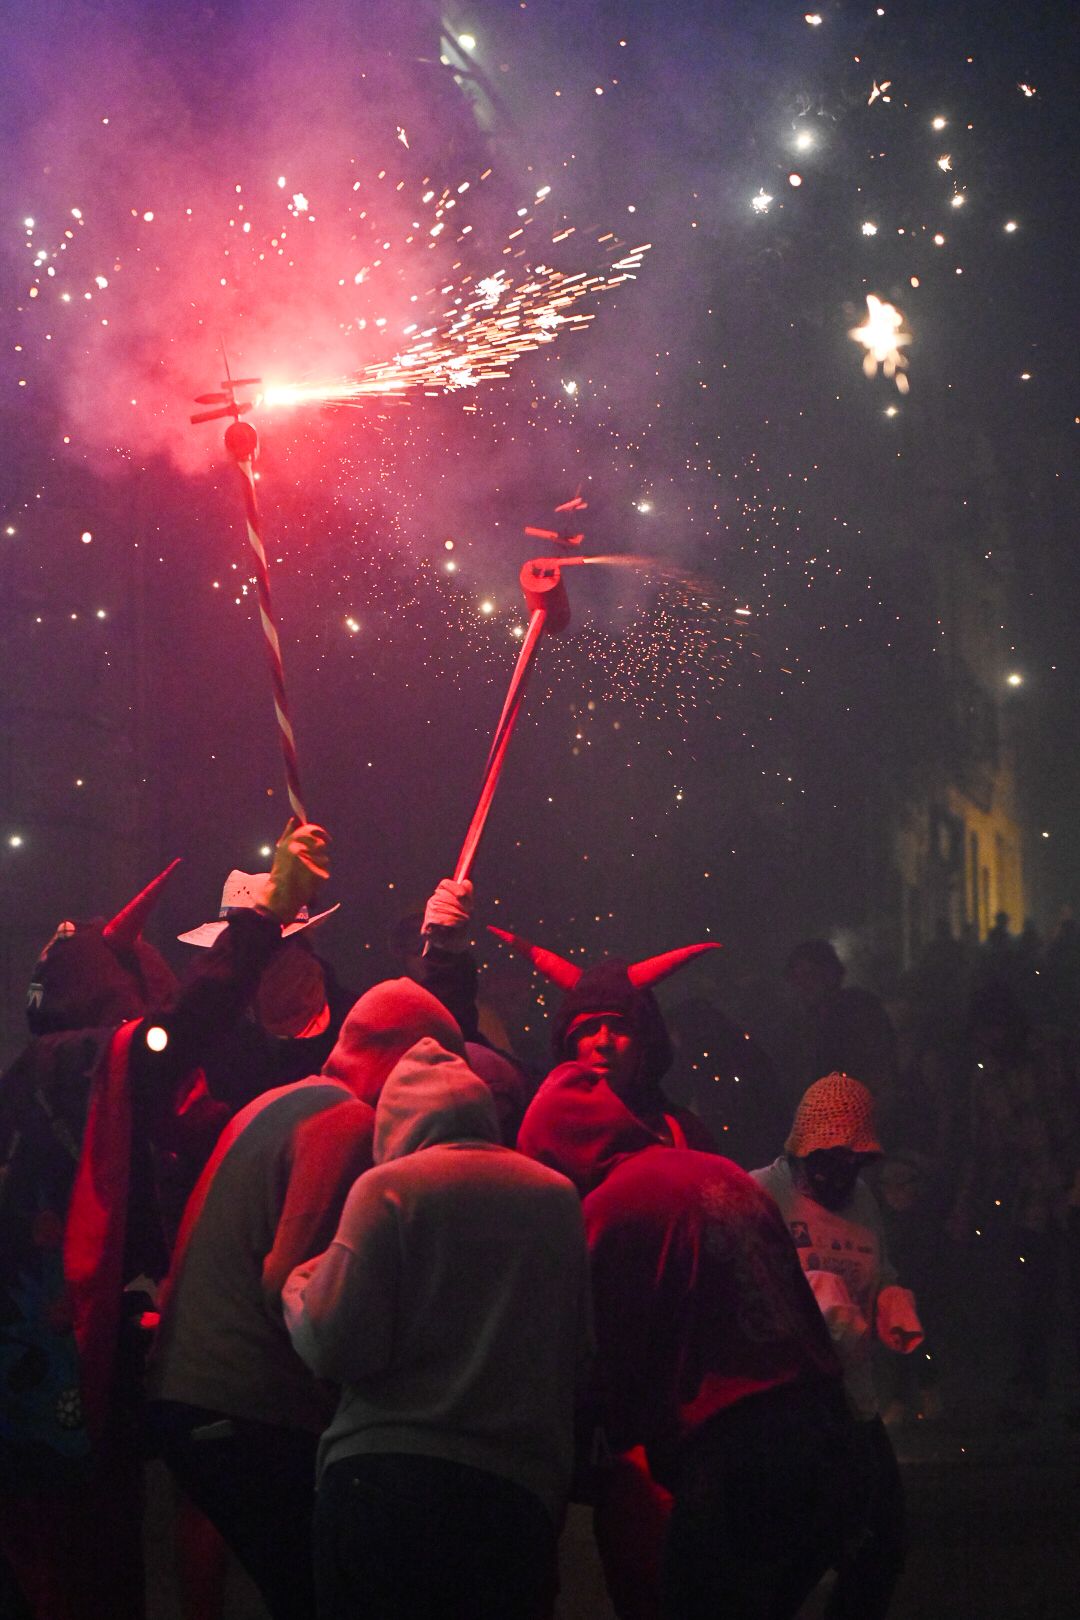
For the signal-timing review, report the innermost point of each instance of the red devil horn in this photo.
(565, 974)
(128, 924)
(655, 968)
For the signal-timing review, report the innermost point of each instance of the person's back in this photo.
(452, 1306)
(220, 1343)
(484, 1351)
(712, 1354)
(700, 1299)
(237, 1413)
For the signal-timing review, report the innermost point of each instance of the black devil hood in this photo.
(612, 986)
(606, 988)
(92, 975)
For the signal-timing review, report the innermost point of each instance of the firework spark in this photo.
(477, 339)
(883, 336)
(318, 340)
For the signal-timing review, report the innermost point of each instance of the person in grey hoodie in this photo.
(453, 1308)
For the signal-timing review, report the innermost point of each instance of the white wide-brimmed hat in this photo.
(242, 891)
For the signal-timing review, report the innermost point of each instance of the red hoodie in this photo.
(699, 1296)
(577, 1125)
(700, 1300)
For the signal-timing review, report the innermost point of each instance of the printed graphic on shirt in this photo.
(752, 1250)
(836, 1244)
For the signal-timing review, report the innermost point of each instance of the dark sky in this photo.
(681, 770)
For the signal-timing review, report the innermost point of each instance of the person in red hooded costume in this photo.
(713, 1362)
(108, 1077)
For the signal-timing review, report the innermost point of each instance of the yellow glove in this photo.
(301, 863)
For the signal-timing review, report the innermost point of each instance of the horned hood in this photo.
(611, 986)
(432, 1097)
(381, 1027)
(607, 988)
(92, 975)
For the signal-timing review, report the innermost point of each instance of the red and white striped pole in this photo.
(242, 441)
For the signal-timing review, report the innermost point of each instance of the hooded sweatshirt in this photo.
(699, 1298)
(579, 1126)
(384, 1023)
(452, 1304)
(269, 1198)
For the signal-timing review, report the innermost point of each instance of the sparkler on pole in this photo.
(242, 442)
(545, 596)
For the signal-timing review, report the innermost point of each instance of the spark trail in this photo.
(476, 340)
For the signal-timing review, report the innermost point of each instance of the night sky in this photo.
(684, 770)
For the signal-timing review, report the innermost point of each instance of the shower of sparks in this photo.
(415, 331)
(883, 336)
(402, 281)
(477, 338)
(676, 652)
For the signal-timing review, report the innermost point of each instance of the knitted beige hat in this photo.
(836, 1112)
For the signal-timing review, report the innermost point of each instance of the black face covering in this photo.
(828, 1176)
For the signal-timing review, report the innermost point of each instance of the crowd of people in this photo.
(973, 1065)
(385, 1301)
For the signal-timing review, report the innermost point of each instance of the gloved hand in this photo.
(447, 914)
(898, 1323)
(301, 863)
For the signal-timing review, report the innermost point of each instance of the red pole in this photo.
(499, 744)
(545, 595)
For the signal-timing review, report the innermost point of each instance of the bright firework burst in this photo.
(883, 336)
